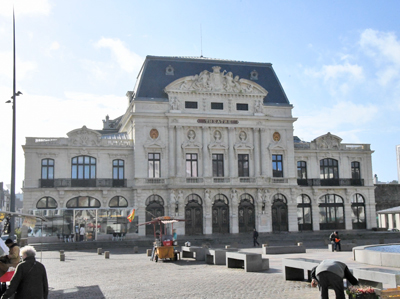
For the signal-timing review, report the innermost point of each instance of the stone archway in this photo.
(193, 215)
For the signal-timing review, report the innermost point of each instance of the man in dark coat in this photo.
(255, 237)
(30, 278)
(330, 273)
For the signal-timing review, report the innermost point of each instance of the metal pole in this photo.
(12, 198)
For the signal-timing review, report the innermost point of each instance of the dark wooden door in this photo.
(220, 217)
(194, 219)
(279, 216)
(153, 210)
(246, 217)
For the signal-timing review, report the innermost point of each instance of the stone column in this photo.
(263, 152)
(171, 152)
(231, 161)
(206, 156)
(207, 207)
(256, 156)
(178, 157)
(315, 214)
(293, 226)
(141, 214)
(347, 213)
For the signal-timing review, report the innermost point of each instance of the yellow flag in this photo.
(131, 216)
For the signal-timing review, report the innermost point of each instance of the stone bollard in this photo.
(99, 251)
(300, 244)
(265, 245)
(62, 257)
(135, 249)
(149, 251)
(106, 254)
(227, 246)
(61, 251)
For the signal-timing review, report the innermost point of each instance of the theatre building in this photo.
(210, 141)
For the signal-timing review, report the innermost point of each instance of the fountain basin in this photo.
(387, 255)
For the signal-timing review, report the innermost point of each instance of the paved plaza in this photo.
(84, 274)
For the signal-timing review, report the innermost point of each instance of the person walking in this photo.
(330, 273)
(30, 278)
(82, 232)
(335, 240)
(255, 237)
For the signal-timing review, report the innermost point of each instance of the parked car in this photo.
(394, 230)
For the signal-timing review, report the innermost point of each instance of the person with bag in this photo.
(335, 240)
(12, 259)
(30, 278)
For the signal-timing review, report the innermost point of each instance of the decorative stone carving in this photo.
(217, 143)
(153, 145)
(243, 143)
(328, 141)
(216, 81)
(258, 107)
(84, 137)
(191, 142)
(169, 70)
(254, 75)
(175, 103)
(154, 134)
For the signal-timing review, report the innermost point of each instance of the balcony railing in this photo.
(247, 180)
(155, 181)
(330, 182)
(279, 180)
(194, 180)
(221, 180)
(81, 183)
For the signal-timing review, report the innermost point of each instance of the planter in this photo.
(363, 296)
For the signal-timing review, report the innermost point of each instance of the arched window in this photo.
(358, 211)
(83, 202)
(331, 212)
(46, 203)
(329, 172)
(83, 171)
(304, 215)
(117, 202)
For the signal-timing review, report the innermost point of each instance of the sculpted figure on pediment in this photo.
(243, 142)
(216, 81)
(217, 143)
(84, 137)
(175, 104)
(191, 142)
(327, 141)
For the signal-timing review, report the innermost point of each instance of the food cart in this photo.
(163, 246)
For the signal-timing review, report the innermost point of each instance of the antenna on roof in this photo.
(201, 41)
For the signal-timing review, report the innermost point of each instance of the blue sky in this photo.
(338, 61)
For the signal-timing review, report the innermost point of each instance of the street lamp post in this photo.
(14, 107)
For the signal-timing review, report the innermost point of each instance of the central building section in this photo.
(212, 148)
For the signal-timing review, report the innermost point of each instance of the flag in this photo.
(131, 216)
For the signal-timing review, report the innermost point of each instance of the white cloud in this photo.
(343, 119)
(23, 67)
(126, 59)
(55, 46)
(339, 71)
(25, 7)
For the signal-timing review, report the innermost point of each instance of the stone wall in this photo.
(387, 196)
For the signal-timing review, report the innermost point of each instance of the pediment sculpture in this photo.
(243, 142)
(327, 141)
(154, 144)
(84, 137)
(191, 141)
(217, 143)
(216, 81)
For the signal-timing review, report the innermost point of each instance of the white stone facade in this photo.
(221, 122)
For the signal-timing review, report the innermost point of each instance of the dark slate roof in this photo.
(152, 78)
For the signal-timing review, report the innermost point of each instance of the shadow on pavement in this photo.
(92, 292)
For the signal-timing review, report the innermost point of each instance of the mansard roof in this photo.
(158, 72)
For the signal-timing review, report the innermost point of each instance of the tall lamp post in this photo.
(14, 107)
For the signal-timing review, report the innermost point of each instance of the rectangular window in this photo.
(243, 165)
(277, 167)
(154, 165)
(301, 170)
(191, 105)
(118, 169)
(47, 169)
(217, 106)
(191, 165)
(355, 170)
(218, 165)
(243, 107)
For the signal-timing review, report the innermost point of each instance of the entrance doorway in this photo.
(154, 209)
(220, 215)
(246, 213)
(193, 215)
(279, 213)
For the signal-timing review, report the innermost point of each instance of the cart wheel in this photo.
(156, 258)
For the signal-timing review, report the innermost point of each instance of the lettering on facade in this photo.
(218, 121)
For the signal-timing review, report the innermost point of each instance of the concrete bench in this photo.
(217, 256)
(294, 268)
(283, 249)
(250, 262)
(378, 277)
(196, 252)
(343, 247)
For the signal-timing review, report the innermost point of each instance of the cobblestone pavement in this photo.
(84, 274)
